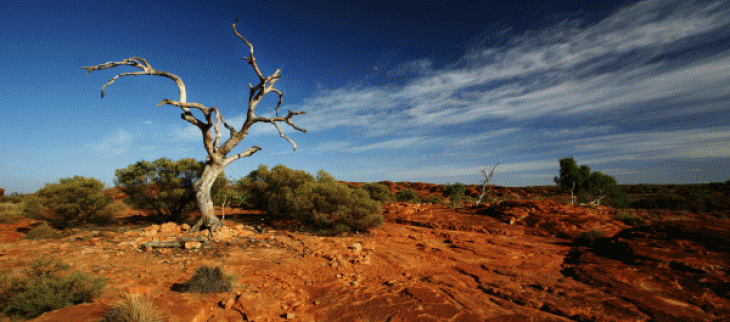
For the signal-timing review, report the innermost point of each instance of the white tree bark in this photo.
(488, 174)
(218, 157)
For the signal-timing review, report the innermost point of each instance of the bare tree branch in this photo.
(488, 174)
(250, 60)
(146, 70)
(218, 157)
(250, 151)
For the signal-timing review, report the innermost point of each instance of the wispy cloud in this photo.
(681, 144)
(114, 145)
(644, 56)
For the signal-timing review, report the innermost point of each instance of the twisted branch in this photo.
(212, 142)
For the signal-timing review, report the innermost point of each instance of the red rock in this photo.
(78, 313)
(192, 245)
(431, 263)
(257, 306)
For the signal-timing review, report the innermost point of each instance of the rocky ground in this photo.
(512, 261)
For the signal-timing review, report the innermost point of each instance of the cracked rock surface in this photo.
(512, 261)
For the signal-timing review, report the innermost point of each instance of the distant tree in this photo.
(379, 192)
(488, 174)
(218, 156)
(75, 201)
(572, 176)
(408, 195)
(164, 186)
(586, 184)
(456, 192)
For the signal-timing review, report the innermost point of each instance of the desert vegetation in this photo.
(218, 157)
(333, 207)
(43, 287)
(300, 205)
(589, 187)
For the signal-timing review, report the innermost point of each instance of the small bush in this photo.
(628, 219)
(106, 215)
(74, 201)
(165, 187)
(272, 190)
(205, 280)
(43, 289)
(132, 308)
(8, 212)
(33, 208)
(489, 200)
(335, 208)
(408, 195)
(588, 238)
(42, 231)
(434, 199)
(13, 198)
(325, 202)
(379, 192)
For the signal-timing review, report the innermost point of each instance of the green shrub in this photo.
(33, 207)
(205, 280)
(42, 231)
(14, 198)
(379, 192)
(294, 194)
(433, 199)
(8, 212)
(336, 208)
(132, 308)
(272, 190)
(587, 186)
(408, 195)
(165, 187)
(43, 289)
(455, 192)
(588, 238)
(74, 201)
(628, 219)
(489, 199)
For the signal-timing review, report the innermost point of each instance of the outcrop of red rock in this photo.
(511, 261)
(2, 192)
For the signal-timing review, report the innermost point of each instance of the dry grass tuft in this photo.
(133, 308)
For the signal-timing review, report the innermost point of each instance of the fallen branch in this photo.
(179, 243)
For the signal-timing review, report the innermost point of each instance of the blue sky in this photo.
(393, 90)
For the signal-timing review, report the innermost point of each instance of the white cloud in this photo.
(570, 69)
(578, 131)
(713, 142)
(415, 67)
(114, 145)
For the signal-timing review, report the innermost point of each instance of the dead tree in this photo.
(488, 174)
(218, 157)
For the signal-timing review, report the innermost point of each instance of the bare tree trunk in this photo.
(488, 174)
(218, 157)
(204, 199)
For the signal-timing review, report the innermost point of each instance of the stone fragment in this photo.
(185, 227)
(229, 303)
(192, 245)
(257, 306)
(356, 248)
(170, 227)
(154, 228)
